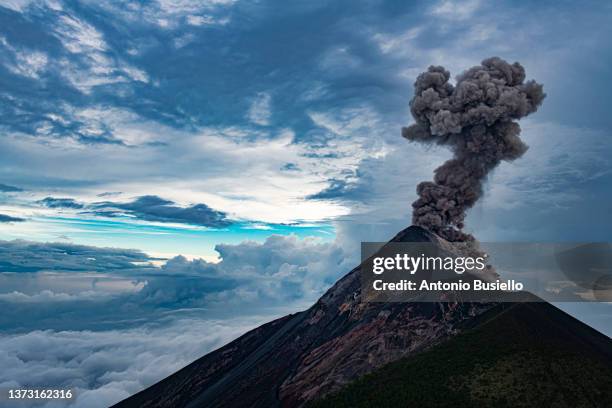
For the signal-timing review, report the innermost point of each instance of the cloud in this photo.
(282, 269)
(279, 271)
(15, 5)
(205, 20)
(252, 283)
(172, 167)
(26, 256)
(109, 194)
(8, 218)
(86, 361)
(53, 202)
(79, 36)
(342, 94)
(5, 188)
(25, 62)
(551, 175)
(351, 188)
(260, 109)
(555, 192)
(455, 10)
(171, 14)
(46, 296)
(290, 167)
(104, 124)
(93, 64)
(154, 208)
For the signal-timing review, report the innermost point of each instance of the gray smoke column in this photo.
(476, 118)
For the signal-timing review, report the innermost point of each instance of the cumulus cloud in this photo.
(282, 256)
(154, 208)
(279, 271)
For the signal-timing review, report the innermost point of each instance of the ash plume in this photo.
(477, 119)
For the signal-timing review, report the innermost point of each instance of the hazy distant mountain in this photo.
(305, 356)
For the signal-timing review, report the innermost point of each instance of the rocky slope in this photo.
(514, 355)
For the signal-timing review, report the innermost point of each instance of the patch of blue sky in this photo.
(162, 240)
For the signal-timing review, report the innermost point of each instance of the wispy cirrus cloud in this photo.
(16, 5)
(24, 62)
(260, 109)
(171, 14)
(455, 9)
(95, 63)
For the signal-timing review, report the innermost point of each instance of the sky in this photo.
(175, 172)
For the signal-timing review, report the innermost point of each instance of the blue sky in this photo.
(264, 135)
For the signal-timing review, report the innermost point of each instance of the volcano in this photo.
(342, 347)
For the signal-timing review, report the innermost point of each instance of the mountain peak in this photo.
(307, 355)
(414, 233)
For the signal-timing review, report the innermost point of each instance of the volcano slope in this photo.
(301, 358)
(514, 355)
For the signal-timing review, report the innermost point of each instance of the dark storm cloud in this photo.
(8, 218)
(477, 119)
(5, 188)
(52, 202)
(26, 256)
(154, 208)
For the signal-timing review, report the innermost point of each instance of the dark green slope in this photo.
(530, 354)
